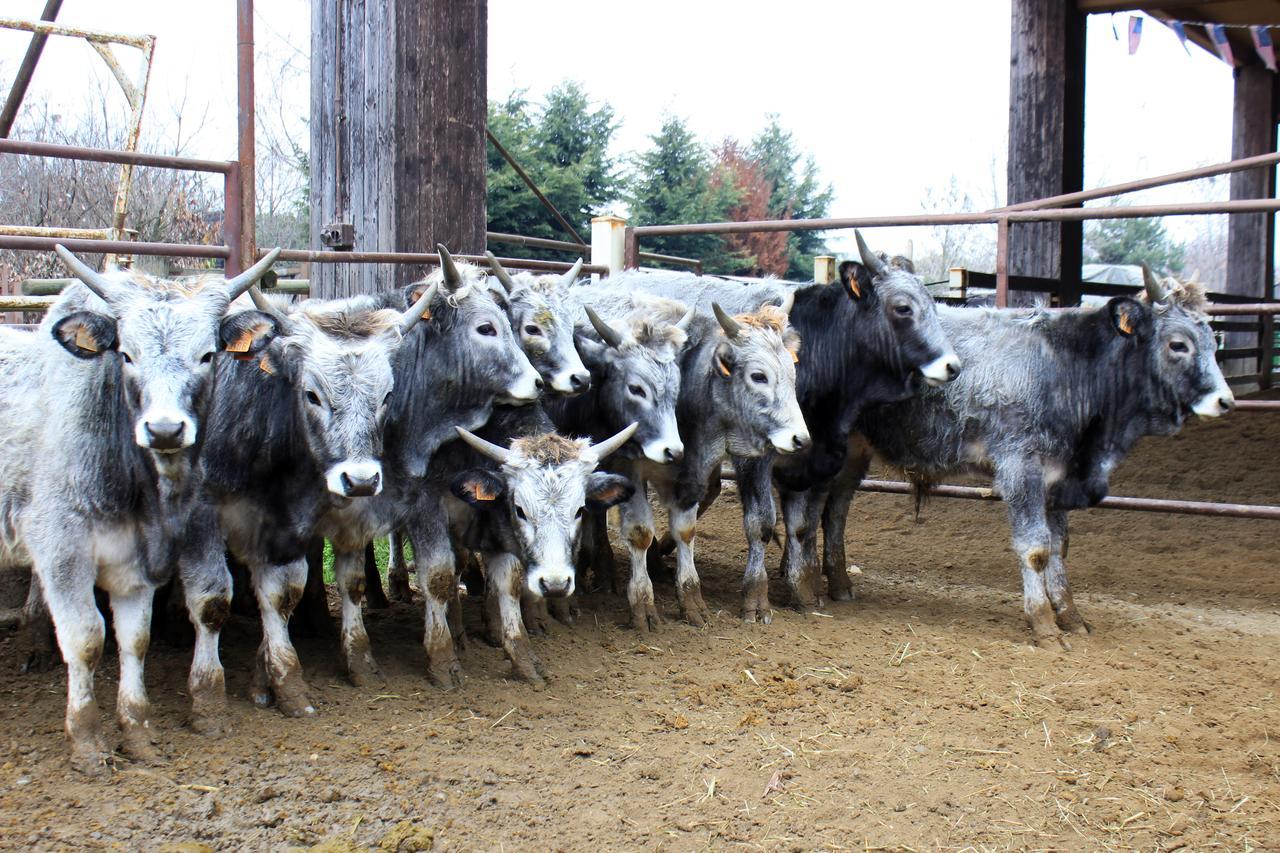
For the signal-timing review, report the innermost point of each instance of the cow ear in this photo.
(86, 334)
(1129, 316)
(724, 359)
(606, 490)
(477, 487)
(855, 279)
(245, 334)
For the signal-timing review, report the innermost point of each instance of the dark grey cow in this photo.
(1049, 403)
(103, 411)
(873, 338)
(295, 432)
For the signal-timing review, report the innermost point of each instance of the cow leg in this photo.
(349, 572)
(37, 631)
(374, 594)
(278, 671)
(815, 500)
(206, 587)
(565, 608)
(637, 529)
(795, 519)
(1055, 578)
(688, 587)
(758, 519)
(835, 515)
(433, 558)
(506, 577)
(81, 634)
(311, 618)
(131, 616)
(536, 613)
(1022, 485)
(398, 569)
(595, 554)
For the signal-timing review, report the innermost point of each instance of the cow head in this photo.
(542, 320)
(905, 320)
(636, 364)
(165, 334)
(544, 487)
(337, 357)
(1172, 319)
(755, 368)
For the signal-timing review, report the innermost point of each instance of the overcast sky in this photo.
(891, 99)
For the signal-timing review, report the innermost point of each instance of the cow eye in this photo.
(581, 513)
(125, 356)
(387, 399)
(902, 310)
(206, 358)
(487, 330)
(313, 398)
(637, 391)
(520, 513)
(532, 331)
(759, 378)
(1178, 346)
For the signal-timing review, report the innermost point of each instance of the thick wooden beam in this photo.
(1046, 134)
(398, 105)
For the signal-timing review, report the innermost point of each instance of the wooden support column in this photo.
(1046, 135)
(1251, 236)
(398, 106)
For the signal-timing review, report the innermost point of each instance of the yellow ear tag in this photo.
(1125, 325)
(84, 340)
(242, 343)
(722, 367)
(795, 357)
(480, 493)
(264, 364)
(854, 288)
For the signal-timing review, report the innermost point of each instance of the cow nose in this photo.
(165, 435)
(1226, 404)
(554, 587)
(357, 486)
(538, 383)
(799, 442)
(673, 454)
(580, 382)
(953, 370)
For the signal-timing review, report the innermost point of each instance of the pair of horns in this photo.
(501, 454)
(105, 287)
(613, 337)
(1155, 290)
(501, 274)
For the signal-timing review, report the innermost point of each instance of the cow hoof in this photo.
(446, 675)
(1053, 642)
(398, 588)
(493, 637)
(39, 660)
(137, 746)
(644, 617)
(761, 615)
(209, 725)
(95, 763)
(294, 703)
(1072, 622)
(261, 698)
(364, 673)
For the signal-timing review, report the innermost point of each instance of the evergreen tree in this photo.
(798, 193)
(1135, 241)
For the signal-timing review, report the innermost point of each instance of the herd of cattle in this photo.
(153, 427)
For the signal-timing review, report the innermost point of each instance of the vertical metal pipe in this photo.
(630, 249)
(26, 68)
(1267, 329)
(245, 154)
(1002, 262)
(232, 221)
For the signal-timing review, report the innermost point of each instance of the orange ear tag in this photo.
(854, 288)
(1125, 325)
(264, 364)
(795, 357)
(480, 493)
(85, 341)
(722, 367)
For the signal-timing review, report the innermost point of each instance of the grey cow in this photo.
(1050, 403)
(103, 408)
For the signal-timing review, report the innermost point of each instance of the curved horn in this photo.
(500, 273)
(572, 275)
(262, 304)
(452, 278)
(484, 448)
(683, 323)
(415, 311)
(609, 445)
(870, 259)
(607, 333)
(1155, 290)
(242, 282)
(732, 328)
(95, 281)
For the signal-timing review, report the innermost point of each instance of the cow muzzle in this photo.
(941, 370)
(571, 382)
(355, 479)
(550, 583)
(790, 440)
(524, 390)
(165, 432)
(1214, 404)
(664, 451)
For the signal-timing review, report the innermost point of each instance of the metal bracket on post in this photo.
(608, 242)
(339, 236)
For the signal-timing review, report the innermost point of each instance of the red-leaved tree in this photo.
(762, 253)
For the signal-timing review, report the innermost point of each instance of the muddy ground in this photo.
(917, 716)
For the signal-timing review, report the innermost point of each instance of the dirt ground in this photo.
(918, 716)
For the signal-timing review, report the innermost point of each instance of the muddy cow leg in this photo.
(1055, 578)
(835, 515)
(795, 519)
(131, 616)
(398, 569)
(374, 595)
(596, 560)
(536, 613)
(37, 631)
(688, 586)
(81, 632)
(1021, 482)
(434, 561)
(278, 671)
(637, 530)
(815, 501)
(506, 576)
(349, 572)
(311, 618)
(206, 587)
(755, 488)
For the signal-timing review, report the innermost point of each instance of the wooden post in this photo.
(824, 269)
(398, 105)
(1251, 235)
(1046, 135)
(608, 241)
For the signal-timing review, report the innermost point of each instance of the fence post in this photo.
(824, 269)
(1267, 347)
(607, 241)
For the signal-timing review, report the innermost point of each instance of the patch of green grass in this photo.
(381, 550)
